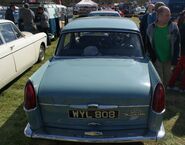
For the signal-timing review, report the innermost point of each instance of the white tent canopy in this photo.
(86, 3)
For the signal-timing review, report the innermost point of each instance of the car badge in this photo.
(93, 133)
(93, 106)
(134, 112)
(94, 124)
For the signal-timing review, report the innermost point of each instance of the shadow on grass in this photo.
(12, 132)
(175, 106)
(13, 81)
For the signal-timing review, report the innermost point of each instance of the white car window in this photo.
(1, 41)
(7, 32)
(16, 31)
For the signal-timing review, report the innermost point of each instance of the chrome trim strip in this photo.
(93, 106)
(100, 106)
(56, 105)
(28, 132)
(160, 112)
(135, 106)
(30, 110)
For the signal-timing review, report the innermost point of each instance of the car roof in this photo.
(101, 23)
(5, 21)
(104, 12)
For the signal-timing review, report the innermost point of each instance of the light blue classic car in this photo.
(98, 87)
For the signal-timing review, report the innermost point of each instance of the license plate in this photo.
(93, 114)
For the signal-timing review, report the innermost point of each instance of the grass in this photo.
(13, 119)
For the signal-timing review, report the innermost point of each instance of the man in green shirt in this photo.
(163, 37)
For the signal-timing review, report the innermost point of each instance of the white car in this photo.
(18, 51)
(105, 13)
(140, 10)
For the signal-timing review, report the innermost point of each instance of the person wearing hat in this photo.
(27, 17)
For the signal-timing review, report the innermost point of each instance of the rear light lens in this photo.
(158, 104)
(29, 96)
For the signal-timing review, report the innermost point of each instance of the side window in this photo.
(67, 40)
(7, 32)
(1, 38)
(1, 41)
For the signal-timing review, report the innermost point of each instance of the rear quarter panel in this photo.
(155, 119)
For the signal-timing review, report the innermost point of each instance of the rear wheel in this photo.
(41, 53)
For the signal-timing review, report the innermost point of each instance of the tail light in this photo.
(29, 96)
(158, 104)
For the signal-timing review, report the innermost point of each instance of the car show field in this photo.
(13, 119)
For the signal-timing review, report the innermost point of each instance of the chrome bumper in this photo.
(29, 133)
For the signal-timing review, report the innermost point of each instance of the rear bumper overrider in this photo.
(148, 137)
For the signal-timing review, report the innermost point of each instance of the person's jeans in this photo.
(46, 30)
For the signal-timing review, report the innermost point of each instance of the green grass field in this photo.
(13, 119)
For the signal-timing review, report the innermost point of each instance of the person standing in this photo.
(164, 43)
(27, 17)
(144, 21)
(9, 13)
(148, 19)
(153, 16)
(43, 24)
(180, 68)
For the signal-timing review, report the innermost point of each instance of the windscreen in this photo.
(104, 14)
(100, 44)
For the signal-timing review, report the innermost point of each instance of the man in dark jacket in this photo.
(27, 17)
(43, 24)
(163, 43)
(9, 13)
(144, 21)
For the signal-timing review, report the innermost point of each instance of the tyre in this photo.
(41, 53)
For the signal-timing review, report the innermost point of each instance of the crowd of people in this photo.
(29, 21)
(164, 42)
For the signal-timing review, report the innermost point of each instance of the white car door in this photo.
(7, 64)
(23, 50)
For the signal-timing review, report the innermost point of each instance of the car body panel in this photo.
(18, 54)
(6, 59)
(112, 75)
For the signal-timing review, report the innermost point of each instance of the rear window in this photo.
(99, 44)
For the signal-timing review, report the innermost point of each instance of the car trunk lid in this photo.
(88, 86)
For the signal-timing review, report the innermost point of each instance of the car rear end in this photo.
(101, 114)
(96, 97)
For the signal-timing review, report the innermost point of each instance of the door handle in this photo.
(11, 47)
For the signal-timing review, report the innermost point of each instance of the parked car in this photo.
(98, 87)
(18, 51)
(55, 12)
(105, 13)
(15, 13)
(140, 10)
